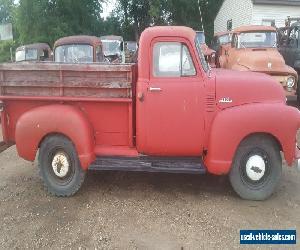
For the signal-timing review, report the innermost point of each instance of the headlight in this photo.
(290, 82)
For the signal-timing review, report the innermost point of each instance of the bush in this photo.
(5, 46)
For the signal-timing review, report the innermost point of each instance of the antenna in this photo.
(200, 16)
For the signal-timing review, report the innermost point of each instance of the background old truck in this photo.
(34, 52)
(78, 49)
(113, 48)
(171, 115)
(289, 46)
(254, 48)
(220, 43)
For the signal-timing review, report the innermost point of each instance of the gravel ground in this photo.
(115, 210)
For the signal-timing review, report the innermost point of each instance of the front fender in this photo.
(232, 125)
(68, 120)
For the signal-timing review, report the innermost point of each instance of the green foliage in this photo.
(5, 47)
(46, 21)
(136, 15)
(6, 11)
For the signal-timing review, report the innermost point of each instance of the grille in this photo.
(210, 103)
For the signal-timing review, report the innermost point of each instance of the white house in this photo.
(235, 13)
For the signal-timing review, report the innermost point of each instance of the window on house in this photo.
(229, 25)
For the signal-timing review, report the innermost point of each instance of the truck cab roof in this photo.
(91, 40)
(250, 28)
(41, 46)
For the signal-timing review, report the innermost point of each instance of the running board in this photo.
(150, 164)
(4, 146)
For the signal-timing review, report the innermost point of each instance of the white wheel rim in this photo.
(255, 168)
(60, 164)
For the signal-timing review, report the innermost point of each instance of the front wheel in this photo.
(59, 166)
(257, 168)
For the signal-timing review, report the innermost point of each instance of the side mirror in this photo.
(122, 46)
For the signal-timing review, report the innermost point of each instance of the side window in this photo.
(172, 59)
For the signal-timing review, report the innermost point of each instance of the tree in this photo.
(48, 20)
(137, 15)
(6, 11)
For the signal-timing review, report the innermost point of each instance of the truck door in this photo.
(172, 111)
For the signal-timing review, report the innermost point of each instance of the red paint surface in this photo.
(185, 119)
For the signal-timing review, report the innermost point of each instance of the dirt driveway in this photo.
(117, 210)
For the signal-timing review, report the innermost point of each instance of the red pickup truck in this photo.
(169, 113)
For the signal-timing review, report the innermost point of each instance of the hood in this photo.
(234, 88)
(262, 60)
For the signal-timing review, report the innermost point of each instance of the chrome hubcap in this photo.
(255, 167)
(60, 164)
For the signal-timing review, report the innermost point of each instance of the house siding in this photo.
(279, 13)
(240, 11)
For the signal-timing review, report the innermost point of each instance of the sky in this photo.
(108, 6)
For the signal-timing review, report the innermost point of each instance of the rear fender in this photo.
(34, 125)
(232, 125)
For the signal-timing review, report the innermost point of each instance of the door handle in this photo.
(153, 89)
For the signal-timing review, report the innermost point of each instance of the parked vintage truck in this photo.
(254, 48)
(289, 46)
(78, 49)
(113, 48)
(131, 48)
(220, 43)
(34, 52)
(156, 116)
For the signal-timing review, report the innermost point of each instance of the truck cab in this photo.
(131, 49)
(78, 49)
(113, 48)
(168, 113)
(34, 53)
(254, 48)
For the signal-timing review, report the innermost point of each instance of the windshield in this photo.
(30, 55)
(264, 39)
(74, 53)
(111, 47)
(201, 56)
(225, 39)
(200, 37)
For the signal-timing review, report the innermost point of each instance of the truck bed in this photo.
(103, 92)
(66, 80)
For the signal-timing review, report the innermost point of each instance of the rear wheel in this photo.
(59, 166)
(257, 167)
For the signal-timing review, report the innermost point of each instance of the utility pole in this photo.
(201, 16)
